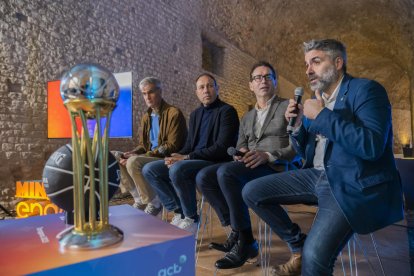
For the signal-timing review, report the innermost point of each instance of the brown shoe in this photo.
(291, 268)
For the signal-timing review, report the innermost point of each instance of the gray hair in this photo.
(332, 47)
(150, 80)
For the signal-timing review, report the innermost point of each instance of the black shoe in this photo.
(228, 244)
(238, 255)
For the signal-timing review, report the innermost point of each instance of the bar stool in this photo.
(352, 258)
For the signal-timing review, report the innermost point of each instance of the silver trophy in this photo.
(90, 91)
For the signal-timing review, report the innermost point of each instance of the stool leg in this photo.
(200, 220)
(376, 252)
(342, 263)
(358, 241)
(264, 233)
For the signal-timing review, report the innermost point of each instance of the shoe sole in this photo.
(252, 256)
(218, 249)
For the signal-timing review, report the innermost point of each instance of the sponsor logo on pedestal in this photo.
(174, 269)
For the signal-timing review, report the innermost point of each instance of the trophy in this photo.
(90, 91)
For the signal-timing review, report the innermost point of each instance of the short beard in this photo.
(325, 80)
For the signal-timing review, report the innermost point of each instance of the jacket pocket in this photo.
(376, 179)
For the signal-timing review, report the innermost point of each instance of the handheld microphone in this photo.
(298, 99)
(234, 152)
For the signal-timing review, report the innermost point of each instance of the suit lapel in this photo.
(343, 92)
(275, 103)
(252, 122)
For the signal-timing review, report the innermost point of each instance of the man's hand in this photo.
(312, 107)
(253, 159)
(239, 158)
(175, 157)
(125, 156)
(294, 110)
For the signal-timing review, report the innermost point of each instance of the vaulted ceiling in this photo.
(379, 35)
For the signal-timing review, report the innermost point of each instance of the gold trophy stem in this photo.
(78, 172)
(97, 232)
(91, 164)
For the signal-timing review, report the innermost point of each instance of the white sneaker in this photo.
(189, 225)
(176, 220)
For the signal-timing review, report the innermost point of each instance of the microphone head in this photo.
(162, 150)
(231, 151)
(298, 91)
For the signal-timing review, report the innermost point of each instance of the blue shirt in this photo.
(155, 129)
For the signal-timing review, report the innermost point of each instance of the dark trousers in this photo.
(222, 185)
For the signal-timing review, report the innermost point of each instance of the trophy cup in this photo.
(90, 91)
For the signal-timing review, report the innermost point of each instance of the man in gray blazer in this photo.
(262, 141)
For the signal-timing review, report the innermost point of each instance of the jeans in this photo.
(330, 230)
(175, 186)
(224, 192)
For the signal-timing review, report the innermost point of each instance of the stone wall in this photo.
(39, 40)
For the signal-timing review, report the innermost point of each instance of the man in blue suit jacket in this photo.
(213, 128)
(349, 171)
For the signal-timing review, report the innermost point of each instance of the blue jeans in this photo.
(222, 186)
(330, 230)
(175, 186)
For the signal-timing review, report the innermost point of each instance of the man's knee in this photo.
(137, 162)
(248, 194)
(226, 170)
(150, 169)
(204, 180)
(177, 171)
(131, 163)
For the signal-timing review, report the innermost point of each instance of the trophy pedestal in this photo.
(149, 246)
(72, 239)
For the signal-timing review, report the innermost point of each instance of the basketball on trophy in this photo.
(58, 178)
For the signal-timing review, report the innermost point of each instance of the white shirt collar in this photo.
(268, 103)
(333, 96)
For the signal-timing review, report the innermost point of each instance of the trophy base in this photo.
(84, 241)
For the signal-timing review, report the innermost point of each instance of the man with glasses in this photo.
(262, 141)
(212, 129)
(163, 130)
(349, 170)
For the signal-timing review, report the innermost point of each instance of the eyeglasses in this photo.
(259, 78)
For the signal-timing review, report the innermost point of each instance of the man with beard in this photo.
(345, 136)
